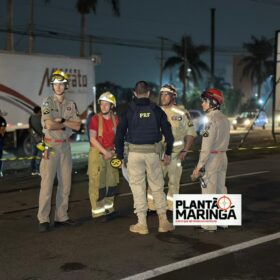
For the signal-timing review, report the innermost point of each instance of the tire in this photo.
(26, 146)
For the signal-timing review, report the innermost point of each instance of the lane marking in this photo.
(201, 258)
(194, 183)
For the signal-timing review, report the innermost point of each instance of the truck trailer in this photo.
(25, 81)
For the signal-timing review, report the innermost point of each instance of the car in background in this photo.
(198, 119)
(250, 119)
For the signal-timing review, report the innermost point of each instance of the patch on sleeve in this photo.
(205, 133)
(46, 104)
(46, 111)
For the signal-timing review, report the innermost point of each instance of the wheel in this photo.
(27, 145)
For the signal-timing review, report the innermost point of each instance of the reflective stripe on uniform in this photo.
(179, 164)
(169, 197)
(150, 197)
(178, 143)
(97, 211)
(109, 206)
(178, 111)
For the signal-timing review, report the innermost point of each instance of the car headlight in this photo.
(247, 122)
(234, 122)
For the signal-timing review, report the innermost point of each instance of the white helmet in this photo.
(169, 88)
(109, 97)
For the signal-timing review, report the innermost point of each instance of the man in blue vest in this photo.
(142, 126)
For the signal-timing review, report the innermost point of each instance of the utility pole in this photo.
(10, 35)
(212, 46)
(90, 45)
(83, 35)
(162, 39)
(31, 27)
(161, 59)
(185, 67)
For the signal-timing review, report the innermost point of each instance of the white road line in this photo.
(193, 183)
(205, 257)
(232, 176)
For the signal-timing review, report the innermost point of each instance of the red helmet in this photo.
(215, 96)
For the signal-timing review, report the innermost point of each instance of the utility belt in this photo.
(217, 152)
(146, 148)
(46, 139)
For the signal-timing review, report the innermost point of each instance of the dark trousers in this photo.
(1, 151)
(35, 163)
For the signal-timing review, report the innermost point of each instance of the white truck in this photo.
(25, 80)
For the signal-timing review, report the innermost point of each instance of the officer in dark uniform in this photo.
(142, 126)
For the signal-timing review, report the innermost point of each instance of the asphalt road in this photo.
(107, 250)
(257, 138)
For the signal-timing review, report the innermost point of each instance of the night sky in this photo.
(142, 23)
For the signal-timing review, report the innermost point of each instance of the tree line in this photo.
(256, 66)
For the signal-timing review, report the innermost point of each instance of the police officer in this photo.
(103, 178)
(3, 125)
(214, 146)
(59, 117)
(184, 133)
(142, 125)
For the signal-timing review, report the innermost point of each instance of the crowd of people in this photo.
(148, 140)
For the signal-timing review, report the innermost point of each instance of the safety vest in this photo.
(144, 125)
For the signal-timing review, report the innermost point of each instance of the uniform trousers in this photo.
(138, 165)
(59, 163)
(103, 181)
(173, 171)
(215, 177)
